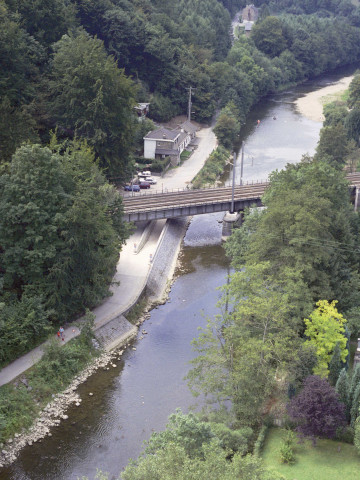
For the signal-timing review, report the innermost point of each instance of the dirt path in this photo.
(311, 105)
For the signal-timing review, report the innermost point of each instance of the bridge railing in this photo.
(150, 191)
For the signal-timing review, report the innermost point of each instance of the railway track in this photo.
(156, 201)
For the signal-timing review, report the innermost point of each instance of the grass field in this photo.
(323, 462)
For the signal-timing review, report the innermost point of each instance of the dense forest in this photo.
(79, 67)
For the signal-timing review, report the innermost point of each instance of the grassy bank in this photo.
(329, 460)
(21, 401)
(213, 167)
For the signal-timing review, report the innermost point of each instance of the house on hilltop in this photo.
(164, 142)
(250, 14)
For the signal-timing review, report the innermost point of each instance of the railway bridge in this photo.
(150, 206)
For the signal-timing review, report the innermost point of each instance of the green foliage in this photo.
(233, 440)
(240, 352)
(20, 405)
(353, 321)
(355, 404)
(61, 229)
(342, 388)
(172, 462)
(23, 324)
(333, 145)
(287, 454)
(17, 410)
(334, 113)
(183, 430)
(325, 330)
(354, 93)
(287, 448)
(355, 381)
(268, 36)
(335, 366)
(352, 125)
(214, 166)
(227, 127)
(92, 99)
(357, 434)
(260, 441)
(304, 363)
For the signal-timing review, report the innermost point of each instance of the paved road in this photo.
(132, 269)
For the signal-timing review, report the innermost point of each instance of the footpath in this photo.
(132, 271)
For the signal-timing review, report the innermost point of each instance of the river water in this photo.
(135, 398)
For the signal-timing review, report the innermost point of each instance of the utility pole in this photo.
(189, 102)
(242, 163)
(233, 185)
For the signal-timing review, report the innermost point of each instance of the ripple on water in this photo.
(204, 230)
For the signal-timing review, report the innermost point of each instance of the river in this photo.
(135, 398)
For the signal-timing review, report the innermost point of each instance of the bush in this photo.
(260, 440)
(17, 410)
(233, 440)
(345, 434)
(213, 167)
(287, 454)
(287, 448)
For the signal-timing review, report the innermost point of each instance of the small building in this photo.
(164, 142)
(250, 13)
(142, 109)
(248, 27)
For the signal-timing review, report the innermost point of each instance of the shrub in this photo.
(233, 440)
(260, 440)
(287, 454)
(213, 167)
(17, 410)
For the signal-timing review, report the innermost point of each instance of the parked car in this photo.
(134, 188)
(144, 185)
(146, 173)
(151, 180)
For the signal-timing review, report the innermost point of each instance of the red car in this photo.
(144, 185)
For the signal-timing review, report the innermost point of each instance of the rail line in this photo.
(156, 201)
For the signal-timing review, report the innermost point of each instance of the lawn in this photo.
(324, 462)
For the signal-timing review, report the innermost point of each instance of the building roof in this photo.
(163, 134)
(183, 135)
(248, 26)
(188, 127)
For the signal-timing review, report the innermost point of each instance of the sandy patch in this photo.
(311, 105)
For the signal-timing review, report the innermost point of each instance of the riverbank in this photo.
(311, 105)
(156, 262)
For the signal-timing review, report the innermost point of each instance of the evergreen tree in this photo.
(342, 388)
(355, 380)
(335, 366)
(354, 411)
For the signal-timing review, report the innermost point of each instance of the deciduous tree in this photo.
(317, 409)
(325, 329)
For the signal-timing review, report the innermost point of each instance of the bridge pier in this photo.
(230, 220)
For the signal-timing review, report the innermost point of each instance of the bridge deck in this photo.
(189, 200)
